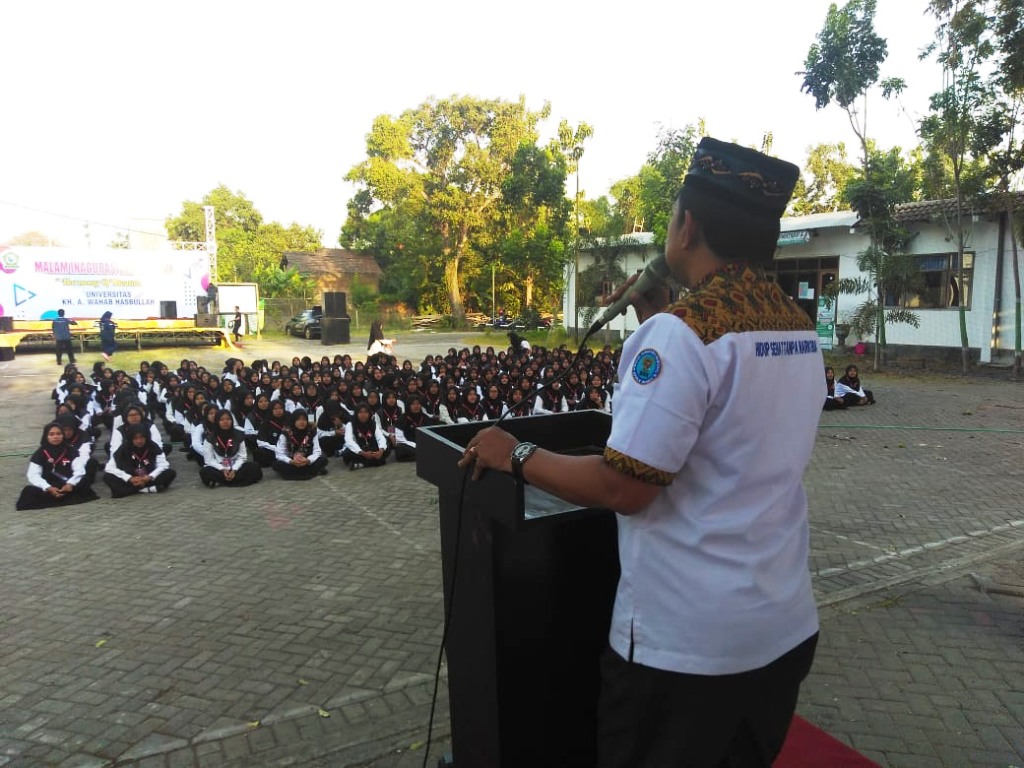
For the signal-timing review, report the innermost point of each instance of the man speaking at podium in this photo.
(716, 410)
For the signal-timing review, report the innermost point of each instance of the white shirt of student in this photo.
(714, 571)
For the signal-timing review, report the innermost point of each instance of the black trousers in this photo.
(247, 474)
(831, 404)
(36, 498)
(65, 347)
(852, 399)
(294, 472)
(120, 488)
(650, 718)
(405, 452)
(329, 446)
(264, 456)
(354, 458)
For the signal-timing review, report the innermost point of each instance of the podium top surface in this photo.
(439, 449)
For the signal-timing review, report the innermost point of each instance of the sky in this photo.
(116, 112)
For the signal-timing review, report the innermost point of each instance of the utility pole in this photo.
(211, 242)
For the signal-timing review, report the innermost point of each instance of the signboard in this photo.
(796, 237)
(85, 283)
(826, 322)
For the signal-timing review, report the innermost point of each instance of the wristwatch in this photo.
(520, 454)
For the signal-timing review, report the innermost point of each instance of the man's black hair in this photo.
(733, 233)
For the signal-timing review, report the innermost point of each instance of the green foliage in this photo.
(846, 59)
(247, 249)
(822, 186)
(285, 283)
(644, 201)
(454, 186)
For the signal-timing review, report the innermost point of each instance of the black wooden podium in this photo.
(529, 582)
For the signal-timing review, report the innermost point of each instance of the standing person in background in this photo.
(107, 330)
(61, 327)
(378, 344)
(236, 324)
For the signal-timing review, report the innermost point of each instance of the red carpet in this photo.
(808, 746)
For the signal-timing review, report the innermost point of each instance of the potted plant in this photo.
(842, 331)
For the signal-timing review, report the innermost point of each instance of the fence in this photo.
(277, 312)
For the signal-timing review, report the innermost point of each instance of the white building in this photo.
(818, 249)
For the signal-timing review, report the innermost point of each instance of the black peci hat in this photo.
(751, 181)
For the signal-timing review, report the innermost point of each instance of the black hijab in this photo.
(226, 442)
(55, 459)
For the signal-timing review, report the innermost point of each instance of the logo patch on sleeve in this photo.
(646, 366)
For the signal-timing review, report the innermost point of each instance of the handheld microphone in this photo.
(654, 276)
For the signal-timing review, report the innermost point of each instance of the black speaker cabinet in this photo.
(6, 354)
(206, 320)
(335, 330)
(168, 310)
(335, 304)
(529, 582)
(6, 324)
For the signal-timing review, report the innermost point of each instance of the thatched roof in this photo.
(333, 261)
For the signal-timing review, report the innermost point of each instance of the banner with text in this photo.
(136, 285)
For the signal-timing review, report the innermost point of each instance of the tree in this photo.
(436, 173)
(963, 46)
(644, 201)
(890, 271)
(535, 218)
(822, 186)
(843, 66)
(247, 249)
(571, 144)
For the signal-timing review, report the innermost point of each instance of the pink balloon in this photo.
(205, 282)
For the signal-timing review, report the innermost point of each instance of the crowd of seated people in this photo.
(292, 418)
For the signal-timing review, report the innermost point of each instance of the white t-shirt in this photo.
(715, 577)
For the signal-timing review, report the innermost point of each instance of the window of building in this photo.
(607, 287)
(940, 283)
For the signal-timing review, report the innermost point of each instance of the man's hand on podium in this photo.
(489, 448)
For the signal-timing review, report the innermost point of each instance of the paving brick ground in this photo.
(298, 623)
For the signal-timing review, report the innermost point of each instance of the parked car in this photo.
(305, 324)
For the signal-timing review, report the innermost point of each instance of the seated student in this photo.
(201, 432)
(850, 388)
(550, 399)
(270, 433)
(225, 461)
(138, 465)
(493, 402)
(330, 429)
(595, 399)
(471, 409)
(133, 414)
(517, 404)
(54, 479)
(254, 421)
(76, 439)
(365, 443)
(298, 455)
(405, 432)
(450, 406)
(833, 402)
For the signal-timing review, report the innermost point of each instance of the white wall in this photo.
(939, 327)
(633, 261)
